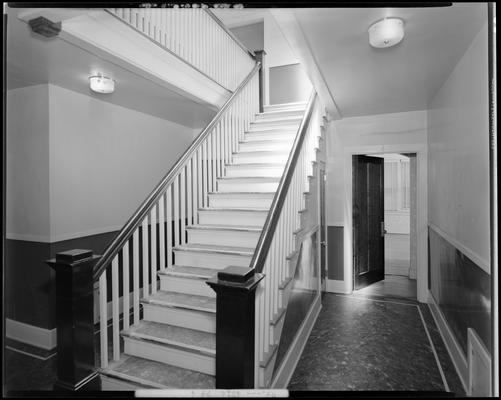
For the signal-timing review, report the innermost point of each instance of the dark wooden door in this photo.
(368, 220)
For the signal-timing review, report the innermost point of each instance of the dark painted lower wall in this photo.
(30, 283)
(461, 289)
(335, 259)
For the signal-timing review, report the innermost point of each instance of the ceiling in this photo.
(364, 80)
(33, 59)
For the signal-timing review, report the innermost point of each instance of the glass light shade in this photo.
(386, 33)
(102, 84)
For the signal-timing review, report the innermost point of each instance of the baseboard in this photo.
(292, 357)
(455, 352)
(336, 286)
(30, 334)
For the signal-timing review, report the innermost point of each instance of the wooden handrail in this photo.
(264, 242)
(126, 232)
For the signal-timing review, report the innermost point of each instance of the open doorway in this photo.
(384, 225)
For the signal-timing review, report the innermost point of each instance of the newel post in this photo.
(74, 318)
(260, 57)
(235, 289)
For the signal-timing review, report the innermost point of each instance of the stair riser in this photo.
(236, 186)
(210, 260)
(284, 107)
(265, 374)
(199, 320)
(271, 135)
(277, 330)
(247, 158)
(284, 145)
(280, 114)
(263, 127)
(243, 171)
(224, 238)
(172, 356)
(232, 218)
(230, 201)
(269, 123)
(186, 285)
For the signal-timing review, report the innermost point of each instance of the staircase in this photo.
(173, 346)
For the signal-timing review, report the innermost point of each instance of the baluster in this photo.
(115, 309)
(135, 268)
(214, 160)
(217, 137)
(144, 232)
(176, 211)
(204, 174)
(189, 194)
(161, 231)
(199, 183)
(210, 188)
(153, 242)
(183, 205)
(126, 285)
(103, 320)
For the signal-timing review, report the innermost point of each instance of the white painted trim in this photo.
(62, 237)
(455, 352)
(475, 343)
(30, 334)
(422, 210)
(480, 261)
(336, 286)
(289, 363)
(337, 224)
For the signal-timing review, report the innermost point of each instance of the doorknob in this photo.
(383, 231)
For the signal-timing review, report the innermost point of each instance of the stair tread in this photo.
(256, 165)
(291, 118)
(173, 335)
(158, 375)
(182, 300)
(290, 130)
(244, 228)
(245, 251)
(257, 179)
(263, 152)
(252, 209)
(269, 141)
(185, 270)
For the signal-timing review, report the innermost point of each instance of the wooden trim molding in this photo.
(30, 334)
(336, 286)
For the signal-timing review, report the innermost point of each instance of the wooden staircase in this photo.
(173, 346)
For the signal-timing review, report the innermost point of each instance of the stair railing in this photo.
(146, 241)
(277, 241)
(196, 36)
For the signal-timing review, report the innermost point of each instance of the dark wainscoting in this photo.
(335, 258)
(461, 289)
(30, 283)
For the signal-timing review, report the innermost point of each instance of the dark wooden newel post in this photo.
(260, 57)
(74, 318)
(235, 289)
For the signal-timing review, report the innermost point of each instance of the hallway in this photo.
(375, 343)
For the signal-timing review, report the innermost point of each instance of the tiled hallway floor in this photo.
(377, 344)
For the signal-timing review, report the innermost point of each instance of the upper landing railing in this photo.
(196, 36)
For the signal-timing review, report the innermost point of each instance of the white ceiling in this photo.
(33, 59)
(364, 80)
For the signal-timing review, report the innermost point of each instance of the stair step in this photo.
(292, 112)
(268, 145)
(174, 345)
(181, 309)
(248, 184)
(211, 256)
(286, 106)
(270, 134)
(232, 235)
(262, 127)
(189, 280)
(278, 121)
(153, 374)
(242, 199)
(232, 216)
(257, 169)
(253, 157)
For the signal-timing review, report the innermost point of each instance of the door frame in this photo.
(421, 211)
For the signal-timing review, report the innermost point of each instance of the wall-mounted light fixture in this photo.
(101, 84)
(386, 33)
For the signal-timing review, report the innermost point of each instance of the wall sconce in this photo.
(101, 84)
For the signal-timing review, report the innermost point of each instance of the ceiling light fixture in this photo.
(386, 33)
(101, 84)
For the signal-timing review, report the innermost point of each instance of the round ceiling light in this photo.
(102, 84)
(386, 33)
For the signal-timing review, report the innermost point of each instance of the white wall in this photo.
(27, 164)
(458, 146)
(88, 168)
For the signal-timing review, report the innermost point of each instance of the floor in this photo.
(376, 340)
(397, 254)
